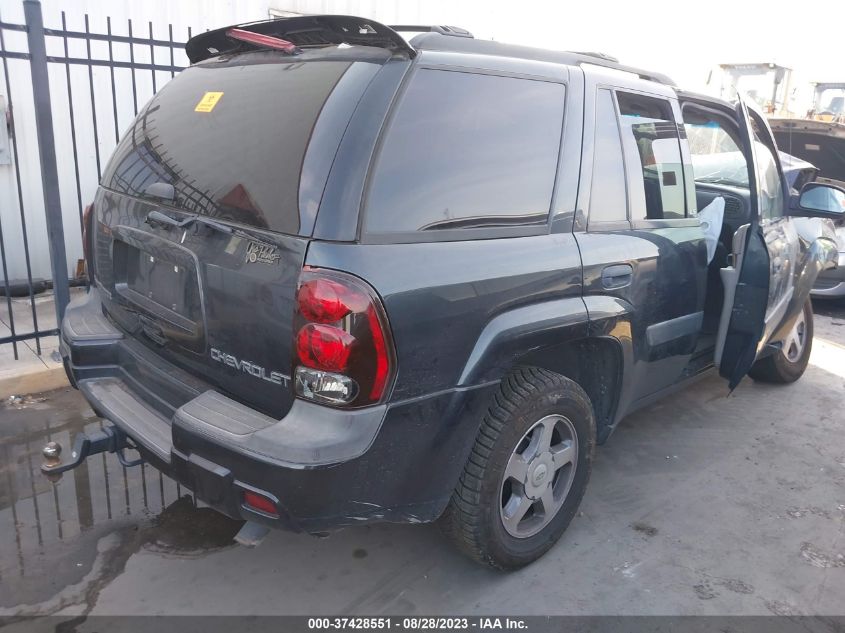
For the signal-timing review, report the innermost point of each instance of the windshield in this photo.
(716, 157)
(831, 101)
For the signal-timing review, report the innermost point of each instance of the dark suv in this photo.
(339, 277)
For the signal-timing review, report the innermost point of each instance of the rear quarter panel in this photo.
(440, 297)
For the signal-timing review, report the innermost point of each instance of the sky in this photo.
(684, 40)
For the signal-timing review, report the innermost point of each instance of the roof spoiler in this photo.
(304, 31)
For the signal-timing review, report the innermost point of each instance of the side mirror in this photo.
(819, 200)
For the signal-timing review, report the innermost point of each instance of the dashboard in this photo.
(737, 206)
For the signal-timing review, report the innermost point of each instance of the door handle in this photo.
(617, 276)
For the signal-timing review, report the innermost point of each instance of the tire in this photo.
(788, 365)
(531, 405)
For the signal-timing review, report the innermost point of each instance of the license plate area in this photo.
(162, 282)
(158, 281)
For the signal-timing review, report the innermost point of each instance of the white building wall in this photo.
(181, 14)
(197, 14)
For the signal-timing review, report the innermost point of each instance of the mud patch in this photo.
(644, 528)
(818, 558)
(26, 402)
(359, 553)
(735, 585)
(781, 608)
(705, 591)
(797, 513)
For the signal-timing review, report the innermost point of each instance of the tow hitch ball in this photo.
(109, 439)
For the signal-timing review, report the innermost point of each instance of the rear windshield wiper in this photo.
(157, 218)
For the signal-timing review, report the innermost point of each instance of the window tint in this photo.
(465, 151)
(239, 159)
(648, 124)
(608, 201)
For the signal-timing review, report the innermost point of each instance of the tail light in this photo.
(87, 237)
(344, 352)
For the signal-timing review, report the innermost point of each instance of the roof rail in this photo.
(453, 31)
(427, 41)
(604, 56)
(304, 31)
(587, 58)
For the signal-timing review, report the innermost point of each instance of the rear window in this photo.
(467, 150)
(231, 138)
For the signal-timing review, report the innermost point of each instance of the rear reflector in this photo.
(256, 501)
(87, 236)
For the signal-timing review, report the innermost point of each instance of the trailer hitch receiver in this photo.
(109, 439)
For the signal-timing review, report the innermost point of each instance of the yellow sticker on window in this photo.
(208, 101)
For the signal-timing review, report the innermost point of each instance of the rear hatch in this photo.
(205, 211)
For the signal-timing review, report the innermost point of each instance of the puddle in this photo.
(184, 529)
(52, 534)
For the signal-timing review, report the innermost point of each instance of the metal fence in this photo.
(158, 61)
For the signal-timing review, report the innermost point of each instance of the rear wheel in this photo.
(527, 472)
(789, 364)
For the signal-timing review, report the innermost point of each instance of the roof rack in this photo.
(309, 31)
(454, 31)
(604, 56)
(660, 78)
(426, 41)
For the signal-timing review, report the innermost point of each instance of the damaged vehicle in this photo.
(339, 277)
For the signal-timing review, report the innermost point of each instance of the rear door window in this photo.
(467, 150)
(648, 124)
(608, 199)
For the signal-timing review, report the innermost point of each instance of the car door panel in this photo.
(767, 255)
(742, 323)
(750, 296)
(654, 266)
(795, 264)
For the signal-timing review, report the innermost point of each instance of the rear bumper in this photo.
(325, 468)
(831, 283)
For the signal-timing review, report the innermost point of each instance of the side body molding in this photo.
(512, 334)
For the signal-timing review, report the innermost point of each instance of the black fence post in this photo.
(47, 153)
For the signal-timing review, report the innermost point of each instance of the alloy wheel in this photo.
(538, 476)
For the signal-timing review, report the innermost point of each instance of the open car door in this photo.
(742, 326)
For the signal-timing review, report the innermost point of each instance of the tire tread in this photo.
(463, 518)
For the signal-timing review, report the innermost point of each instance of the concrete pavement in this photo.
(700, 504)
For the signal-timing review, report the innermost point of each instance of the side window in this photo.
(467, 150)
(647, 122)
(771, 192)
(608, 200)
